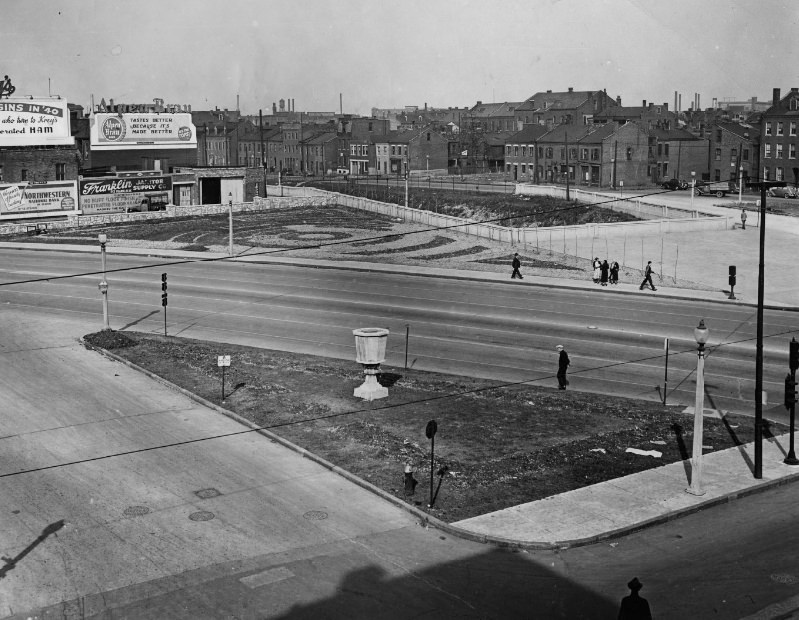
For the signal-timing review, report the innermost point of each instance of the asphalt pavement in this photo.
(617, 507)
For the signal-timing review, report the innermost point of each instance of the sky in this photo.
(359, 54)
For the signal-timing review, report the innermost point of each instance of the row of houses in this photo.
(585, 137)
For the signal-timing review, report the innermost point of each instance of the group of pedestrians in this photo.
(605, 273)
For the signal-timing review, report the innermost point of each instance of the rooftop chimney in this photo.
(618, 99)
(571, 89)
(775, 97)
(643, 105)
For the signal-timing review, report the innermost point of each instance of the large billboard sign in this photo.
(34, 122)
(143, 131)
(120, 194)
(41, 197)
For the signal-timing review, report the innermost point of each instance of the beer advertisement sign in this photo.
(143, 131)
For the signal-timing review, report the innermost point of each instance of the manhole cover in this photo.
(315, 515)
(784, 578)
(202, 515)
(135, 511)
(207, 493)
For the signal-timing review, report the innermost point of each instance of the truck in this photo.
(150, 201)
(719, 189)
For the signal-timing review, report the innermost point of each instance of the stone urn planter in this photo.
(370, 350)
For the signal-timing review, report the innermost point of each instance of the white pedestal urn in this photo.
(370, 350)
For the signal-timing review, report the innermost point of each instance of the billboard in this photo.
(34, 122)
(120, 194)
(142, 131)
(52, 196)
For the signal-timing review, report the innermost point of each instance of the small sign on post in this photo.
(223, 361)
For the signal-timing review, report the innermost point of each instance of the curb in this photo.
(427, 520)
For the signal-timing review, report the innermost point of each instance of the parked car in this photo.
(674, 184)
(719, 189)
(782, 192)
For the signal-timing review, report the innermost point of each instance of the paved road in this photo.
(486, 329)
(85, 532)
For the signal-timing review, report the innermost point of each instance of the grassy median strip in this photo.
(497, 445)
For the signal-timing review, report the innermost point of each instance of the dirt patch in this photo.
(497, 445)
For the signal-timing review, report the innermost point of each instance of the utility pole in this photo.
(566, 141)
(263, 153)
(759, 346)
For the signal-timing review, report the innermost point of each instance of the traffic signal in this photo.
(163, 289)
(793, 357)
(790, 392)
(732, 275)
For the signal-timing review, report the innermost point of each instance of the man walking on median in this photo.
(516, 264)
(647, 278)
(563, 364)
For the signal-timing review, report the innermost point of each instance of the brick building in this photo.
(779, 138)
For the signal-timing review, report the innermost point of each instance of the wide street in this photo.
(484, 329)
(118, 500)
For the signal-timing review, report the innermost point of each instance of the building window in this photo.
(792, 128)
(766, 150)
(779, 128)
(746, 155)
(718, 154)
(665, 169)
(595, 154)
(768, 128)
(717, 175)
(791, 151)
(23, 174)
(60, 172)
(524, 151)
(524, 169)
(563, 152)
(778, 154)
(778, 174)
(549, 152)
(660, 149)
(666, 149)
(766, 173)
(629, 153)
(584, 153)
(515, 151)
(540, 152)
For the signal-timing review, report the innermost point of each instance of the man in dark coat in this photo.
(647, 278)
(516, 264)
(563, 364)
(634, 607)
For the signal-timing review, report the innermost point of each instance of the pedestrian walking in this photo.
(563, 364)
(516, 264)
(597, 270)
(604, 270)
(647, 277)
(634, 607)
(614, 272)
(743, 219)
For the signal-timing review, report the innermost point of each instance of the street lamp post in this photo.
(701, 334)
(103, 286)
(693, 185)
(740, 183)
(230, 222)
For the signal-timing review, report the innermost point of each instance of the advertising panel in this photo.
(34, 122)
(143, 131)
(51, 196)
(124, 194)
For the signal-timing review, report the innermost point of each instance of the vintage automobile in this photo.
(674, 184)
(782, 192)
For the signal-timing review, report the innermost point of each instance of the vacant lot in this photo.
(497, 445)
